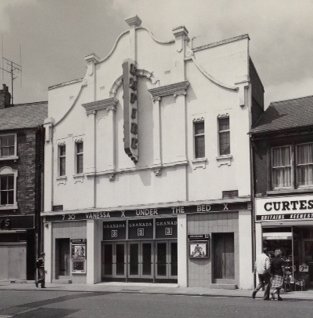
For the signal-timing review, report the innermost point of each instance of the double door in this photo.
(139, 260)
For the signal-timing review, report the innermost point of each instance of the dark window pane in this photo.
(108, 259)
(174, 259)
(199, 147)
(4, 183)
(62, 166)
(199, 128)
(133, 253)
(10, 182)
(161, 259)
(62, 150)
(120, 259)
(223, 123)
(10, 197)
(224, 143)
(79, 147)
(79, 164)
(146, 259)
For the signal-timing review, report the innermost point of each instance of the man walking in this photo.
(262, 268)
(40, 264)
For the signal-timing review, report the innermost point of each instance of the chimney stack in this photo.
(5, 97)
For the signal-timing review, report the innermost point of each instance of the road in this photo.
(58, 304)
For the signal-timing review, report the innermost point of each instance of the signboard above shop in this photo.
(288, 208)
(149, 212)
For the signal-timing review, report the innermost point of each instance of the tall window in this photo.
(305, 164)
(224, 136)
(79, 156)
(199, 142)
(62, 157)
(7, 145)
(6, 189)
(282, 167)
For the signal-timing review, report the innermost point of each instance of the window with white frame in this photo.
(282, 171)
(79, 150)
(7, 145)
(304, 164)
(7, 187)
(62, 160)
(199, 139)
(224, 136)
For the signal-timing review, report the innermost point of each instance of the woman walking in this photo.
(277, 264)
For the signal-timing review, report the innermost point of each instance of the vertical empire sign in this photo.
(130, 110)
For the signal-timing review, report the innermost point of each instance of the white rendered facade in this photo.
(177, 86)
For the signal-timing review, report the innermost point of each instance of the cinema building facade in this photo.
(283, 165)
(147, 164)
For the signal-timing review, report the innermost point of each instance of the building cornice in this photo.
(175, 89)
(104, 104)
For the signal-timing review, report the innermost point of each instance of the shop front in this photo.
(140, 250)
(286, 223)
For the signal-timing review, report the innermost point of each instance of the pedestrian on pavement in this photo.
(40, 265)
(277, 271)
(262, 268)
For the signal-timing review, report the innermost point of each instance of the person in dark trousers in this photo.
(40, 265)
(262, 268)
(277, 264)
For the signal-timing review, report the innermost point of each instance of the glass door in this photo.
(166, 260)
(119, 263)
(107, 262)
(133, 260)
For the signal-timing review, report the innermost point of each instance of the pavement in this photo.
(148, 288)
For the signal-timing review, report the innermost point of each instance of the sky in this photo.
(50, 38)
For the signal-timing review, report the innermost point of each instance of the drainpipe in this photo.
(252, 186)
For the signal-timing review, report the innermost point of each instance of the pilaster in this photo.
(47, 229)
(133, 23)
(182, 270)
(157, 153)
(181, 40)
(90, 77)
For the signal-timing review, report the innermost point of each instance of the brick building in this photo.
(21, 177)
(283, 184)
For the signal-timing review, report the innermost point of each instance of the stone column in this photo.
(48, 249)
(93, 251)
(245, 250)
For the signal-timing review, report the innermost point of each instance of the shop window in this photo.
(199, 139)
(224, 136)
(7, 146)
(62, 160)
(79, 149)
(292, 166)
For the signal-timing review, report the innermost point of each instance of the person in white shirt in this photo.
(262, 268)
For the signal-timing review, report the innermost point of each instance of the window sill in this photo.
(199, 163)
(8, 158)
(224, 160)
(290, 190)
(61, 180)
(8, 207)
(79, 177)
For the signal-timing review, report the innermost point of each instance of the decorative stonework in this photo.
(108, 104)
(140, 73)
(133, 21)
(61, 180)
(112, 176)
(61, 142)
(198, 119)
(224, 160)
(79, 178)
(199, 163)
(226, 115)
(175, 89)
(157, 171)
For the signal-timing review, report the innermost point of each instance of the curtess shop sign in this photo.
(284, 208)
(148, 212)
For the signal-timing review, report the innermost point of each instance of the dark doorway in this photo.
(62, 252)
(223, 256)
